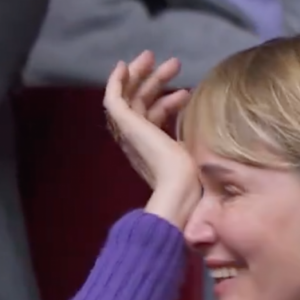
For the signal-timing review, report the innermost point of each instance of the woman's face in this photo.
(247, 226)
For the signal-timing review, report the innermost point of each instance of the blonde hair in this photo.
(249, 100)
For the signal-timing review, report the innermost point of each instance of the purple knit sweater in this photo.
(144, 258)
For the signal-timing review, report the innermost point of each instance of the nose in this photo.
(200, 231)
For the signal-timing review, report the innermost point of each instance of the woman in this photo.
(241, 137)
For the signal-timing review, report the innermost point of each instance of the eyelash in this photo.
(224, 190)
(230, 191)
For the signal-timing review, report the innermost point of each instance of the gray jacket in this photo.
(81, 41)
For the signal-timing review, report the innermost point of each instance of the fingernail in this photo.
(120, 63)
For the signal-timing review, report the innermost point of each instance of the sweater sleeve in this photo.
(144, 258)
(81, 41)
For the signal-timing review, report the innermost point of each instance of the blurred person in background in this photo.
(81, 41)
(20, 22)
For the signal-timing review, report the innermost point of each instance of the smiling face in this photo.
(242, 126)
(247, 226)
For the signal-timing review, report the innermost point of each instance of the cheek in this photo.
(262, 233)
(268, 238)
(254, 224)
(242, 228)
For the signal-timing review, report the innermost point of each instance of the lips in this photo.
(224, 273)
(222, 269)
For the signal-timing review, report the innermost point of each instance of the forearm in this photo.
(143, 258)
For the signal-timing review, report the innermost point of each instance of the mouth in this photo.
(224, 274)
(224, 279)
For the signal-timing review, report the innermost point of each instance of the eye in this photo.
(230, 191)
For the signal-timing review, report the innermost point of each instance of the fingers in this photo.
(139, 70)
(115, 87)
(126, 80)
(154, 85)
(167, 106)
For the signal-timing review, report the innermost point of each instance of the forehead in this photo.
(210, 162)
(213, 165)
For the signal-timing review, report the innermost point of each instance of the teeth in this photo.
(223, 273)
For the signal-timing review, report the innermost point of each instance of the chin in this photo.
(232, 289)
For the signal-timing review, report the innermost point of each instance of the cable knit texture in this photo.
(144, 258)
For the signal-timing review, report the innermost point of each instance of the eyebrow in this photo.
(213, 170)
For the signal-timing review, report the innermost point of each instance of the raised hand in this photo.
(136, 114)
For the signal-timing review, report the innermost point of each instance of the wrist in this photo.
(174, 203)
